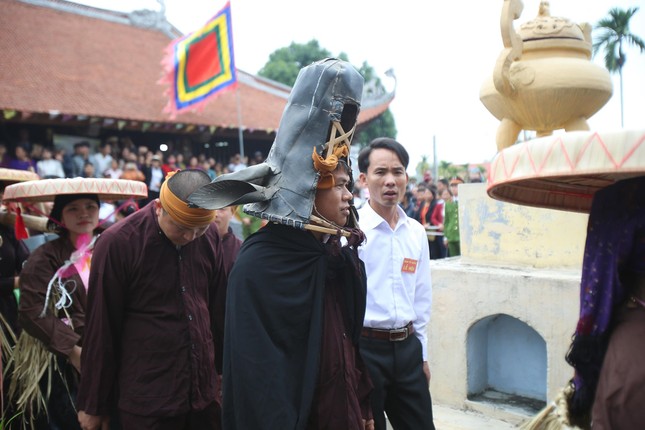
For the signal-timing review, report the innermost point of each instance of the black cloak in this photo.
(273, 328)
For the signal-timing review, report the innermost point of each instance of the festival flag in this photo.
(200, 65)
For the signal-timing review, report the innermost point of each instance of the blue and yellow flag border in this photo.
(184, 97)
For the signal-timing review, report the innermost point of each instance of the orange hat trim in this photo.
(180, 211)
(339, 149)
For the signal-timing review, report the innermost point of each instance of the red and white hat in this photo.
(565, 171)
(12, 176)
(46, 190)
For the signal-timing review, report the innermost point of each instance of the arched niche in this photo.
(507, 362)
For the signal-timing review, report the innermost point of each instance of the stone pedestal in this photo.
(503, 313)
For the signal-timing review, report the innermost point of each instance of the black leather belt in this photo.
(393, 335)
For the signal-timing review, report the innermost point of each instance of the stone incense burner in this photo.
(544, 79)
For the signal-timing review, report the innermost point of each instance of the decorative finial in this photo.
(545, 9)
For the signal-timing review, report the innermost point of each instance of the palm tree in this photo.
(447, 169)
(615, 34)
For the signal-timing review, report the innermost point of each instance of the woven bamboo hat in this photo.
(12, 176)
(564, 171)
(46, 190)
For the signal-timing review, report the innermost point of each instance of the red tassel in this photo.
(19, 227)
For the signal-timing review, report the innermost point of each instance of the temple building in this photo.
(72, 71)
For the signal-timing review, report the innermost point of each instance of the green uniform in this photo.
(451, 228)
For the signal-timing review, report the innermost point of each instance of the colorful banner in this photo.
(200, 65)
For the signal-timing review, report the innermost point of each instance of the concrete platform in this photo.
(447, 418)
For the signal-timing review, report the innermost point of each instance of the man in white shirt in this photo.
(154, 177)
(102, 160)
(399, 292)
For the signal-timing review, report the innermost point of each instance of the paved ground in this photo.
(446, 418)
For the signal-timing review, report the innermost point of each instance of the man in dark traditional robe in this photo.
(231, 244)
(153, 316)
(296, 297)
(291, 359)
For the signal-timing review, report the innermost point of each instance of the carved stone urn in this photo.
(544, 79)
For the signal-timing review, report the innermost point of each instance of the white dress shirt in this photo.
(156, 176)
(101, 163)
(397, 262)
(50, 167)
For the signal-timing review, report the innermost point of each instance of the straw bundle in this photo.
(553, 416)
(31, 361)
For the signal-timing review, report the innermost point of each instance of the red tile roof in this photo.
(57, 58)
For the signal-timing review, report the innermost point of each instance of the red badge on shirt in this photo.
(409, 265)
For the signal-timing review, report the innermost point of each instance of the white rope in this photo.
(57, 283)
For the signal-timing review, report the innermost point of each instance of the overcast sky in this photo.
(440, 51)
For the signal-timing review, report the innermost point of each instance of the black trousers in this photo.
(400, 386)
(437, 249)
(61, 404)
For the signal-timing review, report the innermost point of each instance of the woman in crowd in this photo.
(430, 215)
(611, 329)
(53, 285)
(408, 204)
(608, 351)
(21, 160)
(53, 288)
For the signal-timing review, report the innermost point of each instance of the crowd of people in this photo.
(318, 320)
(435, 206)
(113, 157)
(433, 203)
(165, 320)
(45, 297)
(68, 335)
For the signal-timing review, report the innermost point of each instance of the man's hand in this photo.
(426, 370)
(218, 395)
(93, 422)
(75, 357)
(369, 424)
